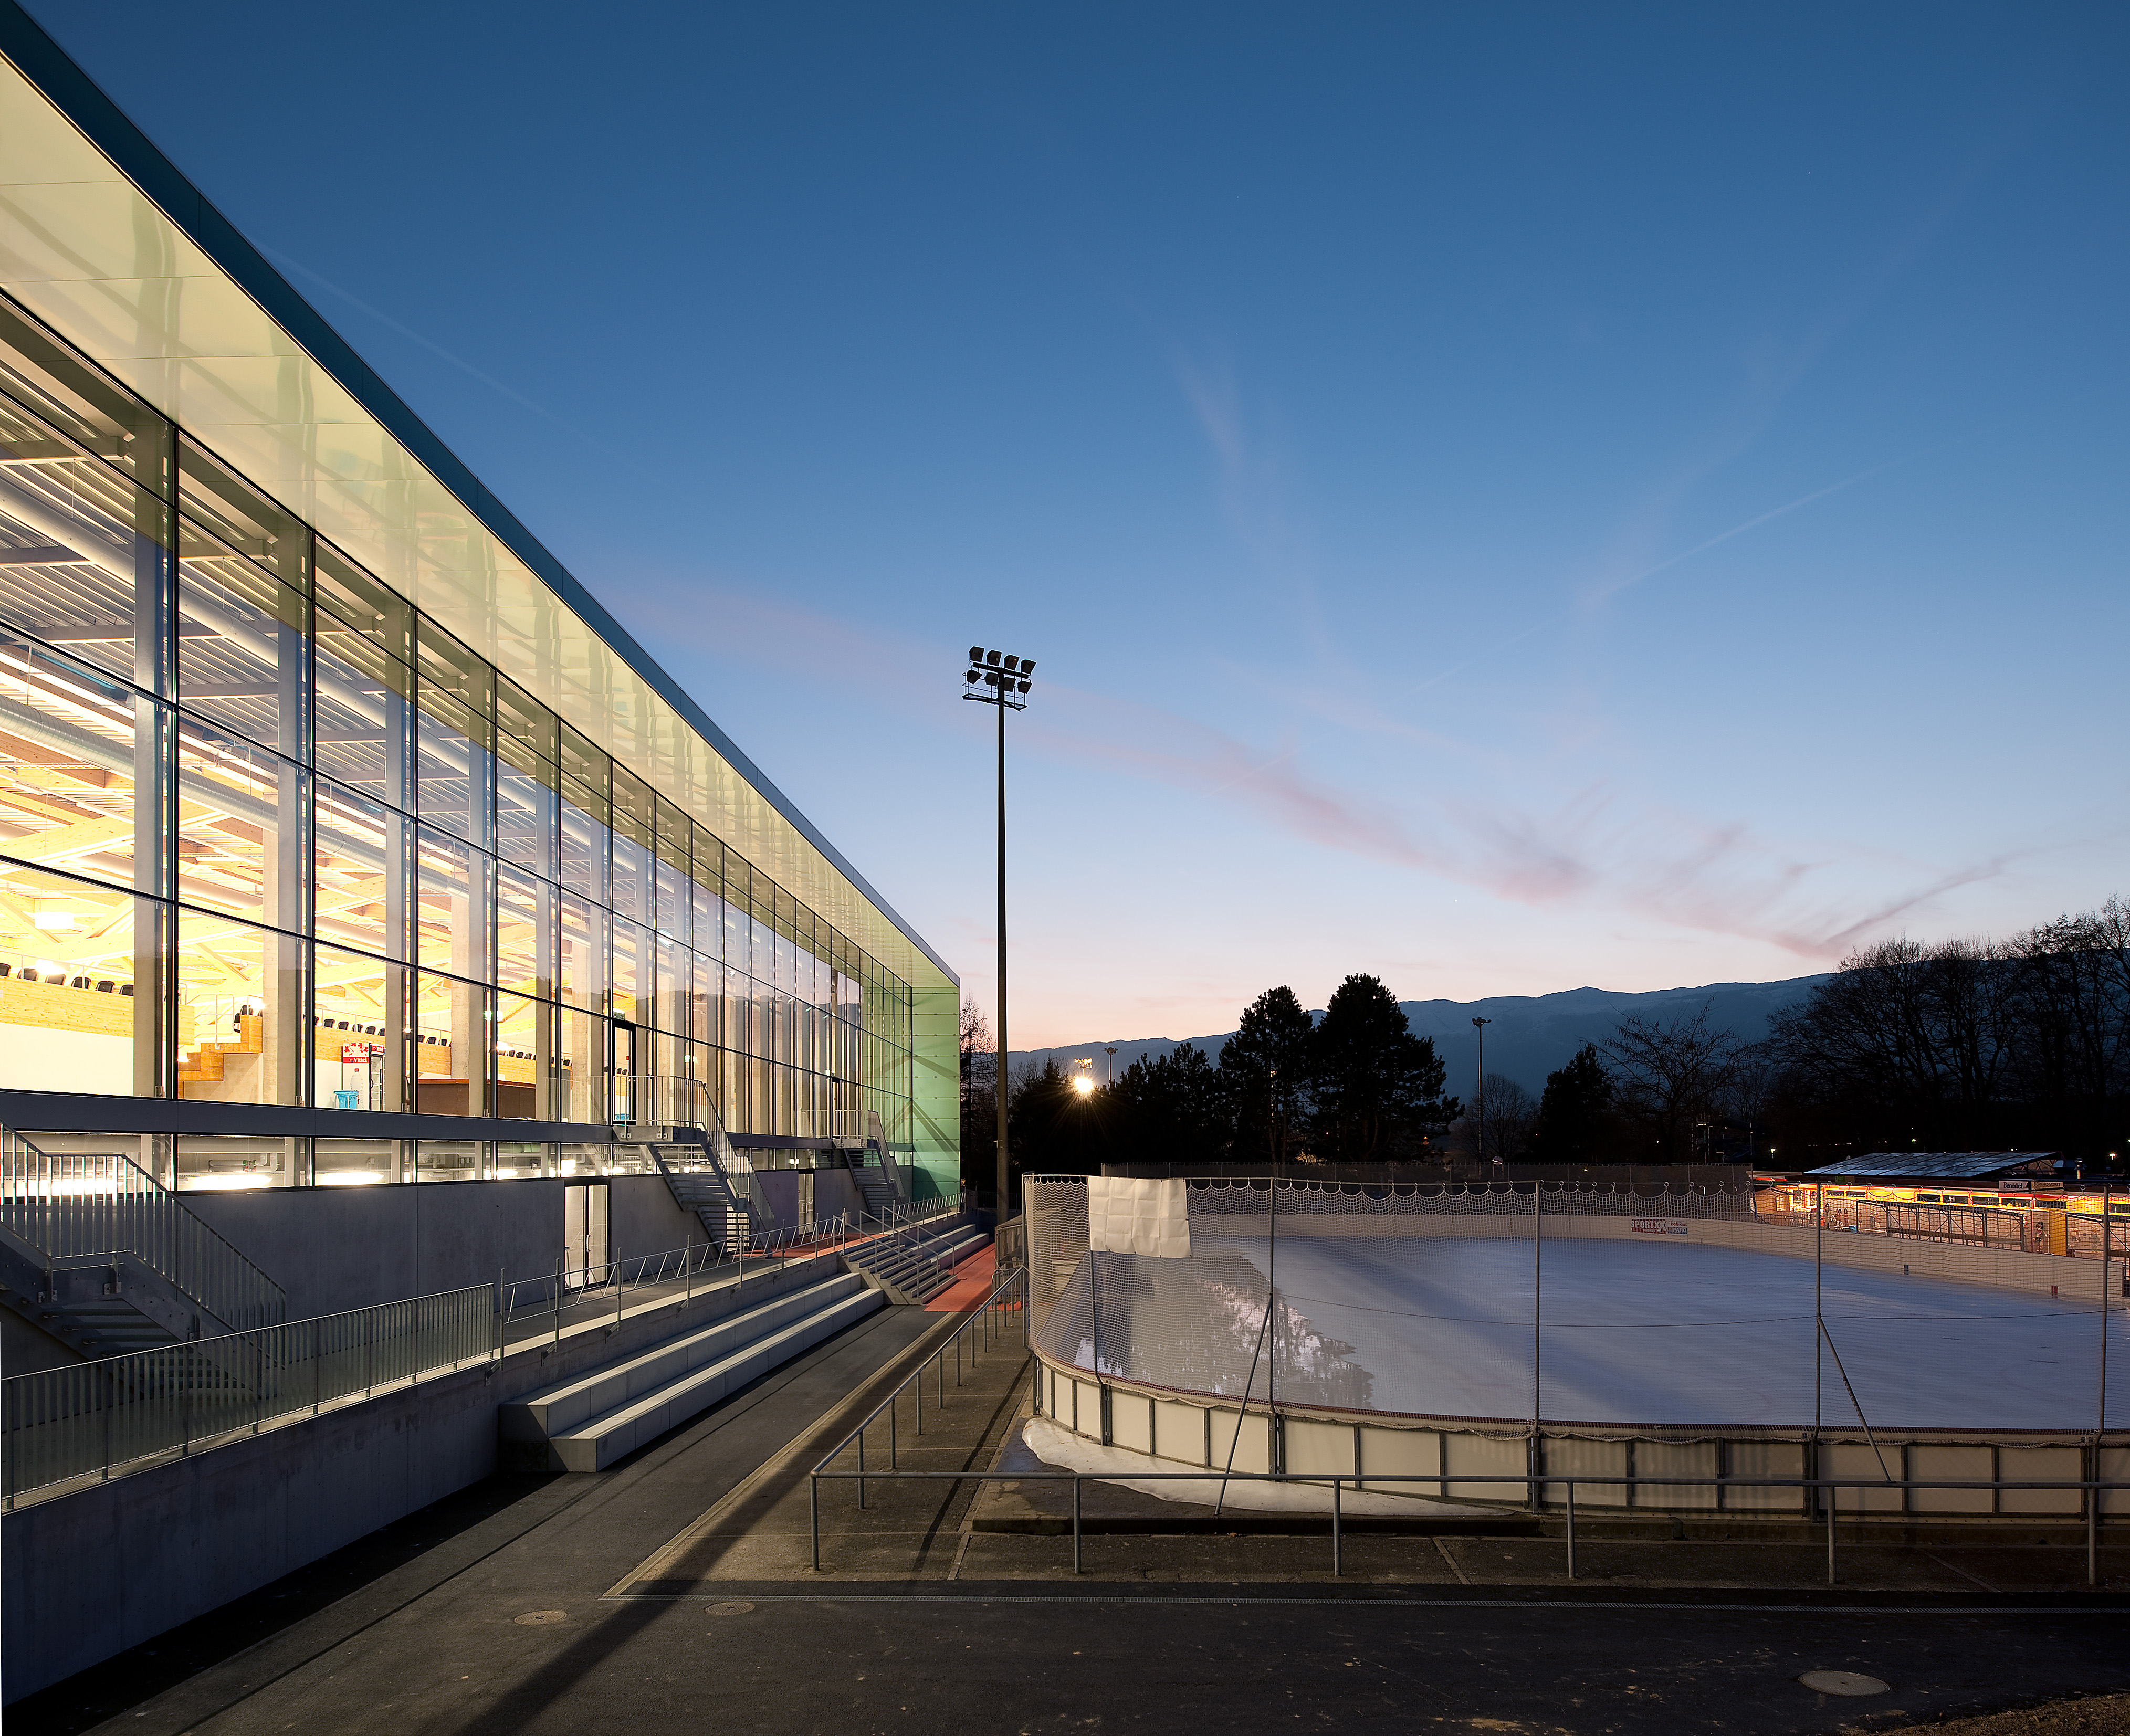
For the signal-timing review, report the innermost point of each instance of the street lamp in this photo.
(993, 678)
(1479, 1092)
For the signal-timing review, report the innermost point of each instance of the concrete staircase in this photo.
(914, 1266)
(869, 1176)
(100, 1256)
(588, 1422)
(707, 1191)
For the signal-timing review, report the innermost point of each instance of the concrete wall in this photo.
(88, 1573)
(25, 1348)
(334, 1248)
(643, 1218)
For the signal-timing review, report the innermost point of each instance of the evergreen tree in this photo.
(1576, 1123)
(1376, 1088)
(1264, 1075)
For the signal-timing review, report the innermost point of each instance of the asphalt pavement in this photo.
(675, 1590)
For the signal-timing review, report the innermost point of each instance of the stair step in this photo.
(600, 1442)
(556, 1409)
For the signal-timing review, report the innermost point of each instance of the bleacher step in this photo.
(586, 1423)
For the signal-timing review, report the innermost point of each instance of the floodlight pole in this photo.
(1479, 1092)
(1003, 679)
(1001, 1087)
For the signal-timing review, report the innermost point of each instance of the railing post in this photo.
(107, 1422)
(317, 1361)
(2093, 1505)
(1075, 1522)
(368, 1353)
(1571, 1528)
(814, 1516)
(1338, 1549)
(861, 1464)
(894, 1461)
(1829, 1492)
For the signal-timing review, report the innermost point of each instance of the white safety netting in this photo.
(1564, 1306)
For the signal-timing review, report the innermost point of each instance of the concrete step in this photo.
(587, 1423)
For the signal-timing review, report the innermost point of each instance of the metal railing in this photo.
(2092, 1487)
(976, 1334)
(93, 1419)
(80, 1207)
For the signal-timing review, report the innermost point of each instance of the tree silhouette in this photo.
(1376, 1088)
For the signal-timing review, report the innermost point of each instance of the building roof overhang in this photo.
(109, 244)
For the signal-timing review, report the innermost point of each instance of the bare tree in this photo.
(1512, 1113)
(1673, 1077)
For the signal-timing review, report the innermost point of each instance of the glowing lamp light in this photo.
(51, 919)
(1084, 1085)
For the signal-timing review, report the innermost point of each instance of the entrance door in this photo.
(583, 1235)
(624, 1071)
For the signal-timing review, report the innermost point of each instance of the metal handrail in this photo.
(983, 1320)
(83, 1207)
(2092, 1487)
(92, 1418)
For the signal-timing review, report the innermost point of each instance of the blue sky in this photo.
(1505, 498)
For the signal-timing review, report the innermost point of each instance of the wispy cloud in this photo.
(1598, 848)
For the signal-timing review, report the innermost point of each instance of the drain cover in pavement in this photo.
(730, 1608)
(1843, 1681)
(540, 1618)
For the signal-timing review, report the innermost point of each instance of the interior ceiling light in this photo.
(54, 919)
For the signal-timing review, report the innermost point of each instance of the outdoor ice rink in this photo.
(1662, 1333)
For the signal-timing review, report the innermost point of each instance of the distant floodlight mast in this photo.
(994, 678)
(1480, 1094)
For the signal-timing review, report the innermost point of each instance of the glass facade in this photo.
(270, 835)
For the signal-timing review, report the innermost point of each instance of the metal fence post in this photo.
(1829, 1492)
(861, 1464)
(1075, 1522)
(814, 1516)
(894, 1462)
(1338, 1543)
(2092, 1519)
(1571, 1528)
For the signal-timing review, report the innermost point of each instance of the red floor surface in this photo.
(973, 1278)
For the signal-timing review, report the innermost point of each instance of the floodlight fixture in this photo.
(1005, 677)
